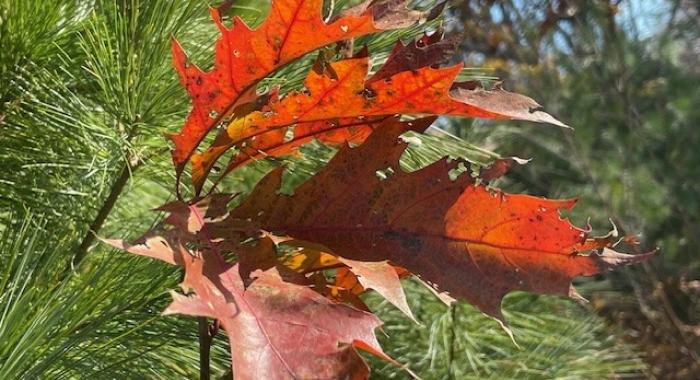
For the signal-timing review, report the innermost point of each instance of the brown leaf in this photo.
(461, 237)
(427, 51)
(499, 101)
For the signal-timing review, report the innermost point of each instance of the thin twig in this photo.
(130, 166)
(453, 341)
(205, 339)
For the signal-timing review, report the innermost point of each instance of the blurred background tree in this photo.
(87, 91)
(625, 75)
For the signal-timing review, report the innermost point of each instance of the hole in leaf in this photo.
(383, 175)
(289, 134)
(456, 172)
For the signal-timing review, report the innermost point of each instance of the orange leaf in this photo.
(346, 95)
(309, 258)
(463, 238)
(276, 142)
(425, 51)
(244, 56)
(353, 280)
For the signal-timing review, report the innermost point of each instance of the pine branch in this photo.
(103, 213)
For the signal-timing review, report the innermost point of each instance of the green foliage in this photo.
(68, 130)
(555, 340)
(102, 322)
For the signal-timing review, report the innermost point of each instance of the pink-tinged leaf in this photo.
(382, 278)
(277, 330)
(191, 217)
(150, 245)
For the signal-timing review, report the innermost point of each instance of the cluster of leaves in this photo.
(282, 274)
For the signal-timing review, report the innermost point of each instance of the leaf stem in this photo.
(205, 338)
(453, 341)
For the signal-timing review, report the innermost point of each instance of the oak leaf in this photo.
(286, 312)
(426, 51)
(352, 277)
(473, 242)
(153, 245)
(244, 56)
(346, 95)
(379, 276)
(277, 329)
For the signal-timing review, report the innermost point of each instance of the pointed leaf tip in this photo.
(508, 105)
(382, 278)
(610, 259)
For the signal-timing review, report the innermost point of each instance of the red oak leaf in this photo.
(346, 96)
(475, 243)
(244, 56)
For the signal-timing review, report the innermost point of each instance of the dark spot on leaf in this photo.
(368, 93)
